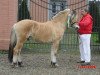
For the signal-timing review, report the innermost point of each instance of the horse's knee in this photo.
(15, 54)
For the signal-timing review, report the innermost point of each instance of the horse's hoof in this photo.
(53, 64)
(14, 65)
(20, 64)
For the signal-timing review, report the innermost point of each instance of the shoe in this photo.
(85, 64)
(81, 62)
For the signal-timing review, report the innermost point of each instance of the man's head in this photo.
(84, 11)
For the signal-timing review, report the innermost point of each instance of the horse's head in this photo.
(72, 19)
(67, 13)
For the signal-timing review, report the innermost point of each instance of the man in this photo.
(85, 30)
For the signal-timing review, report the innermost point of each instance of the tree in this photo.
(23, 12)
(95, 12)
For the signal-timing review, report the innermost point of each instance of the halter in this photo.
(69, 21)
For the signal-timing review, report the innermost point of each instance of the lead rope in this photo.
(67, 24)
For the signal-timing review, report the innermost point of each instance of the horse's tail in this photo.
(13, 40)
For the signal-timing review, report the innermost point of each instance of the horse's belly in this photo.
(43, 39)
(47, 34)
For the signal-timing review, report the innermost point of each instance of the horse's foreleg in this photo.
(19, 59)
(53, 53)
(15, 57)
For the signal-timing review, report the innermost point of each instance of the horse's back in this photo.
(24, 23)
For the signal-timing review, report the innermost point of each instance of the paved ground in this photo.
(39, 64)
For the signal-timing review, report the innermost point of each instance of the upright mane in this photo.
(60, 14)
(57, 15)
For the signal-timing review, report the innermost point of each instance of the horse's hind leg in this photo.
(16, 54)
(53, 53)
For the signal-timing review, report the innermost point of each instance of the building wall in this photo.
(8, 16)
(78, 5)
(38, 10)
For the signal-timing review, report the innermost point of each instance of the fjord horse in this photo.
(50, 31)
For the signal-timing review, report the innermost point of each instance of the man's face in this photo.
(83, 12)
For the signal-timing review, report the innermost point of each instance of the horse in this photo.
(50, 31)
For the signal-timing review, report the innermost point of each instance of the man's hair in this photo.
(86, 10)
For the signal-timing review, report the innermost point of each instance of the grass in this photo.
(68, 42)
(72, 52)
(95, 38)
(3, 51)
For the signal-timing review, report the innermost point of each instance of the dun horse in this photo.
(50, 31)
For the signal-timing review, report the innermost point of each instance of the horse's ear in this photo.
(74, 12)
(62, 12)
(74, 15)
(66, 10)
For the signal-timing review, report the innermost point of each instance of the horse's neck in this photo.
(59, 24)
(59, 20)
